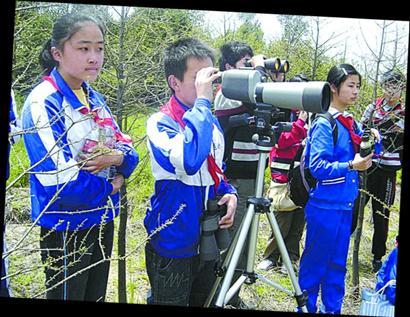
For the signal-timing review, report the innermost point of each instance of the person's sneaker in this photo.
(240, 304)
(266, 265)
(244, 305)
(377, 264)
(284, 270)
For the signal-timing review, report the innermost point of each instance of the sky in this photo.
(352, 31)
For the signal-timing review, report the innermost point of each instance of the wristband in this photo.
(350, 165)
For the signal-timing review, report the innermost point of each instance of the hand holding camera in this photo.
(218, 216)
(230, 202)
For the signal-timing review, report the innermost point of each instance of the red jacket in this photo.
(284, 151)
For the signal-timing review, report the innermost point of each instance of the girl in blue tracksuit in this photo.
(73, 144)
(328, 212)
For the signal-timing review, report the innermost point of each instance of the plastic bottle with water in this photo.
(106, 137)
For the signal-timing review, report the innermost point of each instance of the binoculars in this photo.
(213, 239)
(273, 64)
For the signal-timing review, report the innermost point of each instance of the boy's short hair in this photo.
(232, 52)
(176, 56)
(392, 77)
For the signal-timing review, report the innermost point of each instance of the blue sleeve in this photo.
(182, 151)
(130, 160)
(321, 162)
(226, 188)
(72, 196)
(198, 135)
(52, 162)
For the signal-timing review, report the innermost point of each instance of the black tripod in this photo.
(249, 230)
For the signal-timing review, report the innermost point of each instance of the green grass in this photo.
(19, 163)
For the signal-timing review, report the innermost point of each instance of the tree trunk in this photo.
(357, 237)
(122, 269)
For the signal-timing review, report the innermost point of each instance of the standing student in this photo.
(328, 212)
(241, 155)
(14, 129)
(291, 222)
(387, 115)
(186, 147)
(72, 145)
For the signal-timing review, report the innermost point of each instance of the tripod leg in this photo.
(236, 250)
(286, 260)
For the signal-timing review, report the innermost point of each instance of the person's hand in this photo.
(116, 183)
(362, 163)
(100, 159)
(303, 115)
(376, 134)
(258, 60)
(203, 82)
(231, 201)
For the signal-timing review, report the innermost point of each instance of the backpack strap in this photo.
(332, 122)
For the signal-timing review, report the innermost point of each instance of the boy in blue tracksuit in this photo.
(72, 142)
(328, 212)
(186, 148)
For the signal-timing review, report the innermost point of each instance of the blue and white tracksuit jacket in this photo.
(14, 126)
(63, 196)
(183, 183)
(328, 214)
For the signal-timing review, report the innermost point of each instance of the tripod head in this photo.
(266, 123)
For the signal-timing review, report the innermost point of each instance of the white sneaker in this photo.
(265, 265)
(283, 269)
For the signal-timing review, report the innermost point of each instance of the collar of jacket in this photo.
(335, 113)
(94, 99)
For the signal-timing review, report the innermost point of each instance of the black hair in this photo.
(299, 78)
(391, 77)
(339, 73)
(232, 52)
(176, 56)
(64, 28)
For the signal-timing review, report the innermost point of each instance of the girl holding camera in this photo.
(329, 210)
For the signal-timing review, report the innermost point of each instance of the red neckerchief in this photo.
(174, 110)
(347, 122)
(109, 122)
(379, 108)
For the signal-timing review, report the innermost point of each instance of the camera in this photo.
(248, 86)
(367, 144)
(213, 239)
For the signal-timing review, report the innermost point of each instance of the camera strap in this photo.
(174, 110)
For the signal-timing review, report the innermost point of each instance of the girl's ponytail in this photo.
(46, 60)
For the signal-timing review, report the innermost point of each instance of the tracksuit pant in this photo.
(178, 281)
(291, 225)
(70, 259)
(323, 261)
(381, 184)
